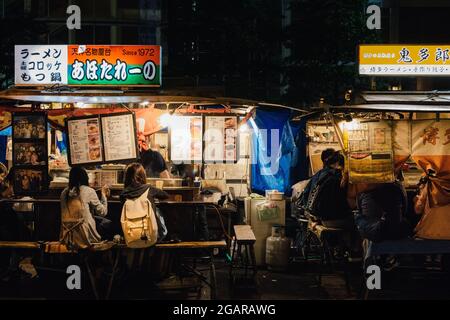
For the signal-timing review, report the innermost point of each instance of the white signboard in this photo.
(40, 64)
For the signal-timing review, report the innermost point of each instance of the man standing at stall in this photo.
(152, 161)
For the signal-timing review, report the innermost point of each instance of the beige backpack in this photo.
(138, 220)
(72, 233)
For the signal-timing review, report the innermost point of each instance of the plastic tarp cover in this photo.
(274, 151)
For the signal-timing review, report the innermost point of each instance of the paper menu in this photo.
(85, 141)
(220, 138)
(119, 137)
(186, 133)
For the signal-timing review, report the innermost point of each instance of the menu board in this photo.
(102, 139)
(85, 143)
(221, 139)
(186, 134)
(119, 137)
(370, 157)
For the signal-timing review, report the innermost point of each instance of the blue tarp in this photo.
(6, 132)
(276, 158)
(3, 141)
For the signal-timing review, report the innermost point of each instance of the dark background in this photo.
(288, 51)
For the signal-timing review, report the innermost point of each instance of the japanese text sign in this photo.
(404, 60)
(40, 64)
(88, 65)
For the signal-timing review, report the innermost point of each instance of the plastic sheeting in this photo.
(276, 156)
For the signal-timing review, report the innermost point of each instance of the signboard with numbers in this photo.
(114, 65)
(98, 65)
(404, 60)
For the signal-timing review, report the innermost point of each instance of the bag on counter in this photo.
(267, 210)
(138, 220)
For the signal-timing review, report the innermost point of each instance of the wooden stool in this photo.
(243, 252)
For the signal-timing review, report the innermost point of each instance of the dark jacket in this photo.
(331, 200)
(135, 191)
(381, 213)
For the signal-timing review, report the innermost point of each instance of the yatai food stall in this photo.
(101, 112)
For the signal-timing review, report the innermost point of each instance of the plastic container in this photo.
(274, 195)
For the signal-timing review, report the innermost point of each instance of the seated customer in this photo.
(82, 212)
(381, 213)
(435, 220)
(135, 185)
(9, 224)
(325, 197)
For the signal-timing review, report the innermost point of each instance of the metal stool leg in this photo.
(113, 273)
(91, 277)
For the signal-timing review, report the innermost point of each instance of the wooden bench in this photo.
(55, 247)
(243, 252)
(181, 246)
(20, 245)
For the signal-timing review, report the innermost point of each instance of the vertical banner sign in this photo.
(40, 65)
(101, 65)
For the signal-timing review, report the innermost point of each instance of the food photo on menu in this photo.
(93, 127)
(28, 180)
(29, 127)
(94, 153)
(26, 153)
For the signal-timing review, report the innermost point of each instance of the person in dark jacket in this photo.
(381, 213)
(135, 184)
(331, 208)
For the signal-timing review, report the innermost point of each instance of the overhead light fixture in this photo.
(165, 120)
(243, 128)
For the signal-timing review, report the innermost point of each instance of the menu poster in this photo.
(119, 137)
(85, 145)
(186, 138)
(221, 139)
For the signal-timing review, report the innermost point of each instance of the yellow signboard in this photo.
(404, 60)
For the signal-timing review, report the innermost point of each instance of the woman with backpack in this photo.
(83, 221)
(135, 185)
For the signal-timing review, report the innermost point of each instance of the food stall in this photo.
(100, 115)
(383, 132)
